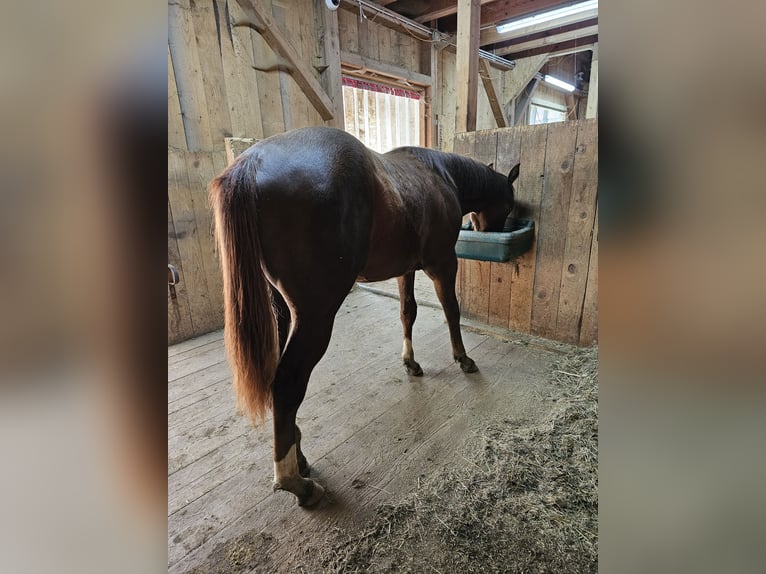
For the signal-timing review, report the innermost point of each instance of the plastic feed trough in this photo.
(498, 246)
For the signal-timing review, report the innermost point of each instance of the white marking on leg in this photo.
(407, 353)
(287, 467)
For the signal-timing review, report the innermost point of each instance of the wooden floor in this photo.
(369, 430)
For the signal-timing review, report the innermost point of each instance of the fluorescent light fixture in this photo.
(547, 16)
(559, 83)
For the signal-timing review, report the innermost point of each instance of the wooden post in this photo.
(467, 64)
(591, 111)
(434, 95)
(329, 47)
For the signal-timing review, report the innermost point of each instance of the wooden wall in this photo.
(379, 43)
(198, 303)
(552, 290)
(215, 92)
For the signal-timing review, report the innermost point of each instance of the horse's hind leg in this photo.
(443, 277)
(307, 343)
(408, 313)
(283, 324)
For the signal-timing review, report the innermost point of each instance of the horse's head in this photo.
(493, 214)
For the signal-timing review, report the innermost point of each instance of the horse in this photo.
(299, 218)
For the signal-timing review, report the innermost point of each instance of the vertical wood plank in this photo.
(554, 211)
(448, 97)
(329, 44)
(207, 32)
(188, 75)
(294, 102)
(591, 110)
(268, 82)
(372, 47)
(241, 85)
(176, 136)
(582, 209)
(348, 31)
(589, 329)
(189, 250)
(464, 145)
(363, 36)
(385, 49)
(310, 31)
(467, 64)
(477, 299)
(180, 326)
(534, 140)
(501, 274)
(433, 94)
(200, 170)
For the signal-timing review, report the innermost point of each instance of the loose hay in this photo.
(527, 502)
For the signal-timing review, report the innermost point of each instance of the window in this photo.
(380, 116)
(540, 114)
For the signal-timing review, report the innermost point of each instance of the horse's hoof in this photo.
(313, 495)
(467, 365)
(413, 368)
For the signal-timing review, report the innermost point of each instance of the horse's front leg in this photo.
(443, 276)
(408, 313)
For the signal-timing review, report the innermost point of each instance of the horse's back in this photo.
(313, 188)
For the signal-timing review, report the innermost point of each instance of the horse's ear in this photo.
(514, 174)
(474, 221)
(491, 165)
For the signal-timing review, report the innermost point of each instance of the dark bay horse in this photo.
(299, 218)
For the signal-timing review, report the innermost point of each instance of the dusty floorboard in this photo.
(370, 431)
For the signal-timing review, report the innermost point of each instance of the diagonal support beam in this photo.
(489, 88)
(257, 18)
(522, 102)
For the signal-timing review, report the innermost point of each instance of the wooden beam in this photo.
(257, 18)
(489, 88)
(591, 110)
(521, 46)
(568, 47)
(467, 65)
(522, 102)
(427, 11)
(504, 10)
(569, 51)
(495, 12)
(489, 35)
(329, 49)
(518, 78)
(355, 62)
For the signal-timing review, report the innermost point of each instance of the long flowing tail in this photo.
(252, 340)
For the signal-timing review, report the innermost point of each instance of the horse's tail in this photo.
(522, 210)
(252, 340)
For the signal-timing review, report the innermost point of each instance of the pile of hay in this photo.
(525, 502)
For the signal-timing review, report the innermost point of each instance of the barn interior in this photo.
(503, 82)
